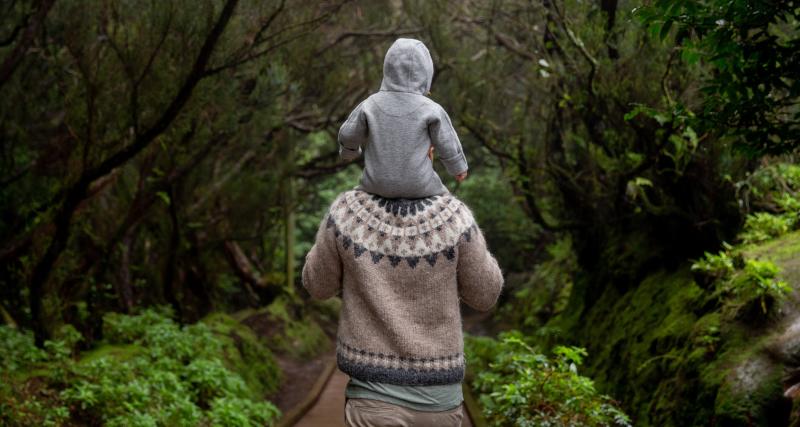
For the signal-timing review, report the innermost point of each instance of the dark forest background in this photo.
(634, 165)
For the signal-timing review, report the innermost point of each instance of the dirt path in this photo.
(299, 378)
(328, 411)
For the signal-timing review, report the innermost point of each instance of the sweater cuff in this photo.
(456, 164)
(348, 154)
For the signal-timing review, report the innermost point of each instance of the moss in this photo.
(116, 351)
(298, 335)
(666, 352)
(302, 338)
(778, 250)
(246, 355)
(782, 251)
(743, 401)
(647, 330)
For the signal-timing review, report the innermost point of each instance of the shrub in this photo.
(758, 282)
(150, 371)
(740, 283)
(235, 412)
(546, 292)
(18, 350)
(518, 386)
(763, 226)
(717, 266)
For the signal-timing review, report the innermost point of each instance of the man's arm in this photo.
(479, 277)
(447, 144)
(353, 134)
(322, 272)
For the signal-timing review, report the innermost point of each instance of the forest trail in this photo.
(328, 411)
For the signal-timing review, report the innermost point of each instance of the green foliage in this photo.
(758, 282)
(236, 412)
(246, 354)
(718, 265)
(509, 233)
(776, 187)
(665, 348)
(150, 372)
(680, 348)
(773, 180)
(520, 387)
(299, 337)
(739, 282)
(546, 292)
(754, 89)
(18, 350)
(763, 226)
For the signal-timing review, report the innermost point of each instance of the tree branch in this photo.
(13, 59)
(77, 192)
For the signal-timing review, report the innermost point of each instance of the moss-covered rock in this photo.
(666, 349)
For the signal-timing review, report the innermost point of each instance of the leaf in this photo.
(690, 55)
(661, 118)
(665, 29)
(163, 196)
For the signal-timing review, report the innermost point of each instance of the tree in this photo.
(753, 90)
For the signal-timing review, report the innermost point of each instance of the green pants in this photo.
(375, 413)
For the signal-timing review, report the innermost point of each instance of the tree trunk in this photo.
(170, 295)
(124, 287)
(7, 319)
(610, 9)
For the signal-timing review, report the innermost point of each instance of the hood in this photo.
(408, 67)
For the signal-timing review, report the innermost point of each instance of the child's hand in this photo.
(461, 177)
(430, 152)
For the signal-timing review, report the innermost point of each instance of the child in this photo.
(398, 127)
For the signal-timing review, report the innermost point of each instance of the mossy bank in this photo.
(676, 354)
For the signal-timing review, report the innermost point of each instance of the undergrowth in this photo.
(518, 386)
(149, 371)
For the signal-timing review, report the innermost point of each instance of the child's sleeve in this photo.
(353, 134)
(446, 142)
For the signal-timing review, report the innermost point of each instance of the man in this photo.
(401, 266)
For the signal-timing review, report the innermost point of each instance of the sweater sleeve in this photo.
(479, 277)
(353, 134)
(322, 272)
(447, 144)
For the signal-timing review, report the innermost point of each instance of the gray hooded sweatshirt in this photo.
(395, 127)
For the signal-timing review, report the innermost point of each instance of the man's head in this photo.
(407, 67)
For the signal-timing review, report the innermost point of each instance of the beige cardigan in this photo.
(401, 266)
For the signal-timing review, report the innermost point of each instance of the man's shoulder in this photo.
(340, 200)
(400, 229)
(446, 209)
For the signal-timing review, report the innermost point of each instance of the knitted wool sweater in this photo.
(401, 267)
